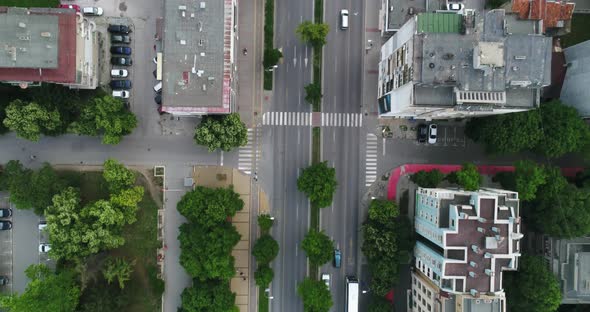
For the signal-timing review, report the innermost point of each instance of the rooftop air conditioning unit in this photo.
(182, 7)
(202, 5)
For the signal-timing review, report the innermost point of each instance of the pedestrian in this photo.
(244, 278)
(241, 273)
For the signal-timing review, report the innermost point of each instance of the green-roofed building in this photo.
(439, 22)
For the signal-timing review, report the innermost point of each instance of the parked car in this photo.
(158, 99)
(5, 213)
(70, 6)
(120, 39)
(5, 225)
(42, 225)
(121, 84)
(119, 73)
(3, 280)
(326, 279)
(120, 60)
(422, 133)
(121, 94)
(92, 11)
(337, 258)
(122, 29)
(158, 87)
(432, 131)
(455, 7)
(121, 50)
(44, 247)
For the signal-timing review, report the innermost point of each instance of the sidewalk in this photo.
(370, 65)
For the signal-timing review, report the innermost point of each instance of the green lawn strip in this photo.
(30, 3)
(262, 300)
(579, 33)
(269, 10)
(315, 145)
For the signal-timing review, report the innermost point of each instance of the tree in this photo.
(17, 180)
(313, 93)
(46, 291)
(315, 295)
(208, 296)
(126, 202)
(206, 252)
(265, 222)
(563, 129)
(117, 175)
(428, 179)
(271, 57)
(379, 304)
(468, 177)
(29, 120)
(318, 247)
(318, 182)
(223, 132)
(265, 249)
(102, 297)
(533, 287)
(264, 275)
(208, 207)
(314, 34)
(506, 179)
(106, 116)
(119, 269)
(528, 177)
(383, 211)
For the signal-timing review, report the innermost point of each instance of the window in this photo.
(415, 304)
(429, 307)
(453, 223)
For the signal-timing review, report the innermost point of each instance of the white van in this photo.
(158, 87)
(343, 19)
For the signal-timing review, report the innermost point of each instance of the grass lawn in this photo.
(269, 15)
(579, 33)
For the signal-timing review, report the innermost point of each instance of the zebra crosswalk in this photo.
(305, 119)
(246, 154)
(371, 159)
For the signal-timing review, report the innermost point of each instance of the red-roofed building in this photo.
(555, 15)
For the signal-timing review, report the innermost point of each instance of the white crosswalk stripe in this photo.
(246, 154)
(342, 120)
(304, 119)
(371, 159)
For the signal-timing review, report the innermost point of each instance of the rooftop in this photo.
(398, 11)
(569, 259)
(553, 13)
(575, 91)
(39, 44)
(197, 56)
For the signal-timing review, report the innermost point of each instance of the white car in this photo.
(43, 248)
(119, 73)
(432, 130)
(326, 279)
(93, 11)
(455, 7)
(42, 225)
(124, 94)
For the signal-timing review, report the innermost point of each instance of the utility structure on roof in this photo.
(448, 65)
(198, 57)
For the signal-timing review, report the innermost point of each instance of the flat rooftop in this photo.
(398, 10)
(196, 58)
(29, 41)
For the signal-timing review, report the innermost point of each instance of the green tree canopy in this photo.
(528, 177)
(106, 116)
(313, 93)
(429, 179)
(210, 206)
(271, 57)
(117, 175)
(383, 211)
(208, 296)
(265, 222)
(29, 120)
(379, 304)
(532, 288)
(206, 252)
(315, 295)
(264, 275)
(318, 247)
(318, 182)
(223, 132)
(46, 291)
(118, 269)
(563, 130)
(468, 177)
(265, 249)
(314, 34)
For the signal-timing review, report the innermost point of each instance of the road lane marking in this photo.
(245, 155)
(370, 159)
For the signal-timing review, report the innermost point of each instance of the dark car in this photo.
(121, 50)
(123, 29)
(422, 133)
(5, 213)
(120, 39)
(5, 225)
(121, 84)
(337, 258)
(158, 99)
(120, 60)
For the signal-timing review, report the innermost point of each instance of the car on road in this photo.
(3, 280)
(455, 7)
(43, 248)
(158, 87)
(42, 225)
(337, 258)
(5, 213)
(343, 19)
(122, 29)
(70, 6)
(92, 11)
(5, 225)
(121, 94)
(422, 133)
(121, 84)
(326, 279)
(432, 132)
(158, 99)
(121, 50)
(121, 60)
(120, 39)
(119, 73)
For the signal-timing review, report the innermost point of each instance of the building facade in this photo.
(447, 65)
(575, 91)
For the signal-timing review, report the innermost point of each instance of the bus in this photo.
(352, 294)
